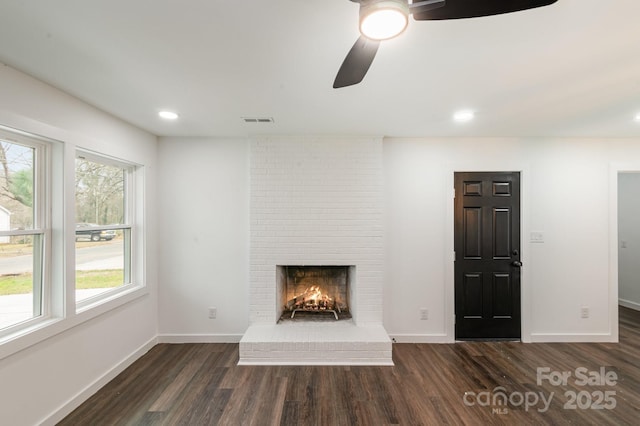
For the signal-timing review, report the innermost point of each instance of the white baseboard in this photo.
(534, 338)
(360, 363)
(199, 338)
(87, 392)
(629, 304)
(572, 338)
(421, 338)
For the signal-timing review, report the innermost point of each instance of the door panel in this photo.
(472, 293)
(501, 189)
(502, 307)
(501, 233)
(472, 188)
(472, 233)
(487, 243)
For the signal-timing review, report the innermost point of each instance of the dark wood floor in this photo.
(200, 384)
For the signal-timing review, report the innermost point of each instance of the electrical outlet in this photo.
(213, 312)
(584, 312)
(424, 313)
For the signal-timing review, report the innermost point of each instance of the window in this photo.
(103, 234)
(70, 225)
(24, 230)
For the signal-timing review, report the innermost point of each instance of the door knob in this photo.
(516, 263)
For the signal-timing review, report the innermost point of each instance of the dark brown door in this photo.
(487, 261)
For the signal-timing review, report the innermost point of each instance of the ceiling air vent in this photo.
(258, 119)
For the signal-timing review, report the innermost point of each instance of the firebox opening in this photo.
(314, 293)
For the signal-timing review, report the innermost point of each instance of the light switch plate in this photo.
(536, 237)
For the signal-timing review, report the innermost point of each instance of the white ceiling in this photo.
(569, 69)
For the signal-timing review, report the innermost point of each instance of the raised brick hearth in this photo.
(312, 343)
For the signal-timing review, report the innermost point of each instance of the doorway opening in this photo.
(628, 239)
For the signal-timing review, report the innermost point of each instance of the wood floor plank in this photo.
(190, 400)
(245, 396)
(201, 384)
(289, 415)
(165, 400)
(210, 410)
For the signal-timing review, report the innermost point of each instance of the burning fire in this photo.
(315, 295)
(312, 299)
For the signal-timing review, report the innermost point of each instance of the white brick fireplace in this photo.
(316, 202)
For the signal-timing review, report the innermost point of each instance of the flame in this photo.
(314, 293)
(314, 298)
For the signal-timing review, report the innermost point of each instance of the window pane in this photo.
(102, 255)
(20, 256)
(99, 193)
(20, 279)
(100, 265)
(16, 186)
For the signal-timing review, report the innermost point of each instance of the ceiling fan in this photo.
(384, 19)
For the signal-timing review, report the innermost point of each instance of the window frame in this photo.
(130, 243)
(60, 311)
(40, 231)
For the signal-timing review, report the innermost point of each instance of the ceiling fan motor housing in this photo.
(383, 19)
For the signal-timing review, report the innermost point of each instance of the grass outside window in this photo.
(22, 284)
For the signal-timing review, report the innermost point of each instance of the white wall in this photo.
(42, 382)
(204, 239)
(566, 195)
(629, 239)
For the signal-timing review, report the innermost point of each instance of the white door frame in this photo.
(614, 171)
(525, 290)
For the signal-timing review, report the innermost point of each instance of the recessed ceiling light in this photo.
(168, 115)
(636, 118)
(463, 116)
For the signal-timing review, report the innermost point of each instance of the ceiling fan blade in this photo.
(357, 63)
(424, 6)
(459, 9)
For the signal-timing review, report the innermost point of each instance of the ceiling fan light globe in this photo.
(384, 19)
